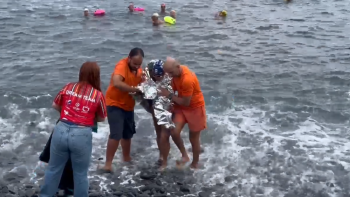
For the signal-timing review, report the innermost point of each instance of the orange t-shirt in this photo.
(188, 85)
(116, 97)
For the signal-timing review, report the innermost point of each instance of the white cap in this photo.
(156, 14)
(86, 9)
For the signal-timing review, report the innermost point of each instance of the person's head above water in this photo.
(86, 12)
(135, 58)
(155, 17)
(162, 7)
(172, 67)
(156, 70)
(173, 14)
(223, 13)
(131, 7)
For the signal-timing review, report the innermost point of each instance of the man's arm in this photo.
(118, 82)
(187, 92)
(184, 101)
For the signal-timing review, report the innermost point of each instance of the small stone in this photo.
(159, 195)
(147, 175)
(29, 193)
(229, 179)
(117, 193)
(130, 195)
(29, 186)
(184, 189)
(4, 190)
(94, 195)
(203, 194)
(158, 182)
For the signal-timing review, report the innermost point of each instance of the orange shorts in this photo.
(195, 118)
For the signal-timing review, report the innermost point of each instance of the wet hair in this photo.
(90, 74)
(136, 51)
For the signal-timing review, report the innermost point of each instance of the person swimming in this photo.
(86, 12)
(155, 19)
(131, 7)
(221, 14)
(173, 14)
(162, 9)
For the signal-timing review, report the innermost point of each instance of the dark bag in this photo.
(67, 181)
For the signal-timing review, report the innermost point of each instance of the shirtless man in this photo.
(189, 108)
(162, 9)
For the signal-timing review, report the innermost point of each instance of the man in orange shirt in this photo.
(120, 105)
(189, 108)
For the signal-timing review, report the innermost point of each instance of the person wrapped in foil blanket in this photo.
(159, 107)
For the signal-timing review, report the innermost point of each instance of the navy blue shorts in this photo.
(121, 123)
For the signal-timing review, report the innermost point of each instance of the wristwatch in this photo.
(170, 96)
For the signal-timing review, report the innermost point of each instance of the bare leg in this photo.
(158, 129)
(175, 135)
(126, 146)
(164, 148)
(112, 146)
(196, 147)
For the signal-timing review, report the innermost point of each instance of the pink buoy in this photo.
(99, 13)
(138, 9)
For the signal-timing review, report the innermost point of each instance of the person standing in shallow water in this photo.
(120, 105)
(80, 105)
(156, 72)
(189, 109)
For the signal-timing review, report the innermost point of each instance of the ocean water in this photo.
(275, 78)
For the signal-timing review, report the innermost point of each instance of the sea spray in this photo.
(39, 171)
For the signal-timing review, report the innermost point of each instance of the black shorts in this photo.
(121, 123)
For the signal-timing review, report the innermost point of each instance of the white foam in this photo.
(217, 157)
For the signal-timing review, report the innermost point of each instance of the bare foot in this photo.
(182, 162)
(163, 166)
(194, 166)
(106, 169)
(159, 162)
(127, 159)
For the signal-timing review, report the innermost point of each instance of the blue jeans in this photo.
(69, 141)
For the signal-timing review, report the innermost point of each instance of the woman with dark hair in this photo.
(80, 104)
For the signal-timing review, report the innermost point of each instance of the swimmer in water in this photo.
(221, 14)
(155, 19)
(131, 7)
(162, 9)
(173, 14)
(86, 12)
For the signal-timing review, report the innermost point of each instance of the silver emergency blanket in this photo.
(162, 105)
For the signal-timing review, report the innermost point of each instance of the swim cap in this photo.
(224, 12)
(156, 67)
(86, 9)
(156, 14)
(163, 4)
